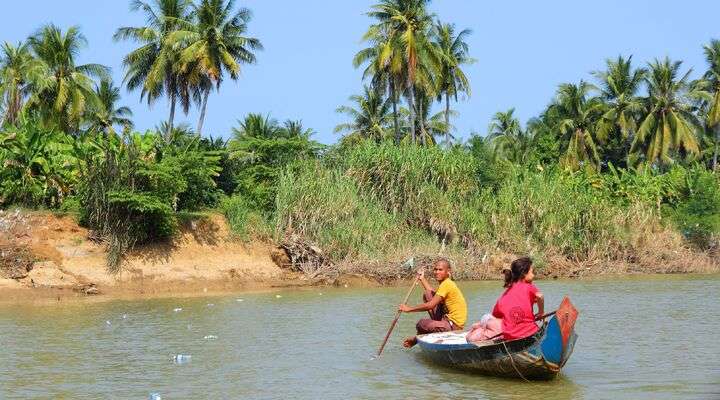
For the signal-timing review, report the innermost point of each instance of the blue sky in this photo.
(524, 50)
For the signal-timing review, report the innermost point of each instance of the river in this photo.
(639, 338)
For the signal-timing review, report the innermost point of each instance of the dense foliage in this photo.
(360, 205)
(610, 162)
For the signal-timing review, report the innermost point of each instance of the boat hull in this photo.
(539, 357)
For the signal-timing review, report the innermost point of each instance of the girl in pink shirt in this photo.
(515, 305)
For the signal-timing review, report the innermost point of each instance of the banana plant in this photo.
(36, 165)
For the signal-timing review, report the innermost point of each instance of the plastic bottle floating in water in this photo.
(177, 309)
(210, 337)
(182, 358)
(155, 396)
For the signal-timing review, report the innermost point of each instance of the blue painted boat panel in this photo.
(552, 347)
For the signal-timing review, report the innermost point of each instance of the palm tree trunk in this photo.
(395, 114)
(715, 153)
(172, 117)
(447, 120)
(13, 106)
(423, 133)
(411, 106)
(14, 101)
(202, 112)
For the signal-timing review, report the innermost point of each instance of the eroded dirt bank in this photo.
(53, 255)
(48, 256)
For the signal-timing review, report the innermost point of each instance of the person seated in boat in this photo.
(515, 305)
(446, 306)
(488, 327)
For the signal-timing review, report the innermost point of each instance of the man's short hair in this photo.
(443, 260)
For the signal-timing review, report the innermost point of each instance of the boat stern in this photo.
(560, 336)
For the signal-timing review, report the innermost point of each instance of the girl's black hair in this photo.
(518, 269)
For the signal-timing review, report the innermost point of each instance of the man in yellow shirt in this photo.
(446, 306)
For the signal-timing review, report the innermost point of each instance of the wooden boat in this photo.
(538, 357)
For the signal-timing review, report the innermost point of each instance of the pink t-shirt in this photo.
(515, 308)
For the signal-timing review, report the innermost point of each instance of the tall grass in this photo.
(423, 186)
(244, 220)
(540, 213)
(328, 206)
(377, 202)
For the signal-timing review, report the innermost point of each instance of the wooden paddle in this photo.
(397, 316)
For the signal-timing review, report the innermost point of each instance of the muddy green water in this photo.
(643, 338)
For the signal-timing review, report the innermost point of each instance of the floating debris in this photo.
(155, 396)
(182, 358)
(177, 309)
(320, 293)
(124, 316)
(277, 296)
(239, 300)
(108, 323)
(210, 337)
(210, 305)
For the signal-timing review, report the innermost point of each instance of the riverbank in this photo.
(49, 255)
(46, 256)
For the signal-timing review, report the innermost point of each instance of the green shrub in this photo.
(696, 212)
(134, 184)
(261, 149)
(197, 161)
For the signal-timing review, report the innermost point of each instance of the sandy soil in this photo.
(203, 258)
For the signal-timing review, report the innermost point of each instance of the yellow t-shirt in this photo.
(454, 302)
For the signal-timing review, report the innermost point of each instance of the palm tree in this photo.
(577, 115)
(508, 140)
(153, 67)
(454, 52)
(214, 43)
(711, 84)
(504, 124)
(107, 114)
(63, 90)
(255, 126)
(295, 129)
(420, 113)
(407, 23)
(619, 86)
(384, 67)
(18, 68)
(264, 148)
(370, 117)
(427, 126)
(669, 125)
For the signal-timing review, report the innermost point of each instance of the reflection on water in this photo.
(640, 338)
